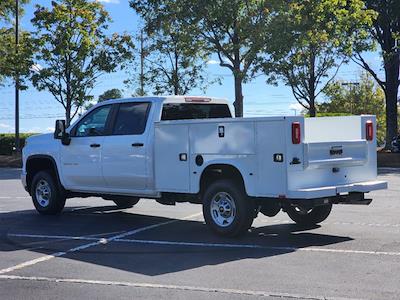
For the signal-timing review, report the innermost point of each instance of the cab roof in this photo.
(171, 99)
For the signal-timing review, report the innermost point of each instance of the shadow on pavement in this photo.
(145, 258)
(388, 171)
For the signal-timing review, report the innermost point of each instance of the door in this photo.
(125, 151)
(81, 159)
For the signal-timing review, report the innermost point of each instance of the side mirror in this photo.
(60, 132)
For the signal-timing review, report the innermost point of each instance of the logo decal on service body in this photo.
(336, 150)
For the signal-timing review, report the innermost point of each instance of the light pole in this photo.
(17, 142)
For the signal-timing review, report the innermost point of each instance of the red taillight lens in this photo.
(369, 131)
(296, 133)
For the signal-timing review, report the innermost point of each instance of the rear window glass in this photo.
(188, 111)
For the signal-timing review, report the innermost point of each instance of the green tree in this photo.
(174, 61)
(7, 9)
(232, 29)
(14, 61)
(385, 31)
(110, 94)
(310, 40)
(363, 97)
(74, 50)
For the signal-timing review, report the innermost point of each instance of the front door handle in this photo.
(95, 145)
(137, 145)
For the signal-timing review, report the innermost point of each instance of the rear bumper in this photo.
(331, 191)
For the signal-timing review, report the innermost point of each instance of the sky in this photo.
(39, 110)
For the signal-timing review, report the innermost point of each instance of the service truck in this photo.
(190, 149)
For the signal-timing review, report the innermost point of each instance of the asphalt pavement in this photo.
(151, 251)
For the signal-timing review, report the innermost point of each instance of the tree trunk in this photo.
(67, 115)
(392, 64)
(312, 84)
(312, 111)
(238, 104)
(391, 112)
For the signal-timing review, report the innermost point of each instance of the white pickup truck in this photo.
(190, 149)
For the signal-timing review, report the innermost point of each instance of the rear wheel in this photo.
(226, 208)
(47, 197)
(309, 216)
(126, 203)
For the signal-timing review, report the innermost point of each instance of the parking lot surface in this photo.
(94, 250)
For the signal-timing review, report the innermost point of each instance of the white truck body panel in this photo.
(247, 144)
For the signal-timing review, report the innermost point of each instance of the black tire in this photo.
(47, 197)
(244, 208)
(310, 217)
(126, 203)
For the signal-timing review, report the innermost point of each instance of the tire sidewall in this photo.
(244, 208)
(126, 203)
(56, 201)
(317, 215)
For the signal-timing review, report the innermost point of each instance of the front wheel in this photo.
(309, 217)
(226, 208)
(47, 197)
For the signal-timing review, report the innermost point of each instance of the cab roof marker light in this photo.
(197, 99)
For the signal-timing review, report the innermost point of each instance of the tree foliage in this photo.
(310, 39)
(7, 9)
(74, 51)
(365, 97)
(384, 31)
(234, 30)
(14, 61)
(174, 60)
(110, 94)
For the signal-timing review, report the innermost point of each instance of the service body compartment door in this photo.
(172, 171)
(271, 158)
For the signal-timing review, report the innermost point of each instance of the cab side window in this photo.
(94, 124)
(131, 118)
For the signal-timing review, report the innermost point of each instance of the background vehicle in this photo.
(189, 149)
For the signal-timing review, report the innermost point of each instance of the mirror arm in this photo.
(66, 139)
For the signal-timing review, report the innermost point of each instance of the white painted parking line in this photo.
(337, 223)
(172, 287)
(307, 249)
(92, 244)
(60, 238)
(212, 245)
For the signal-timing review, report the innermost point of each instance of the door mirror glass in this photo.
(59, 131)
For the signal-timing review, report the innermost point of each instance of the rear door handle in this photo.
(95, 145)
(137, 145)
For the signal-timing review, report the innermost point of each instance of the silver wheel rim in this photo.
(43, 193)
(223, 209)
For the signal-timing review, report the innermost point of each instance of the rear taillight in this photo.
(296, 133)
(369, 131)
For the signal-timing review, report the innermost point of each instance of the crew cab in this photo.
(190, 149)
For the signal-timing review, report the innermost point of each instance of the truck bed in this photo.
(333, 156)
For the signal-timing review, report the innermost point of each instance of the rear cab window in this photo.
(189, 111)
